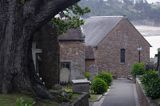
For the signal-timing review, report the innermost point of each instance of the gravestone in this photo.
(81, 85)
(93, 71)
(64, 75)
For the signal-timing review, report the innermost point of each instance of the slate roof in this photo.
(72, 35)
(89, 53)
(97, 27)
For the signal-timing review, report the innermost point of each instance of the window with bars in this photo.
(122, 55)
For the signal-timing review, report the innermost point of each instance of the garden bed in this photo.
(143, 99)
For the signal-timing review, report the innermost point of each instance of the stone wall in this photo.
(107, 53)
(91, 68)
(74, 52)
(141, 96)
(143, 99)
(82, 100)
(88, 63)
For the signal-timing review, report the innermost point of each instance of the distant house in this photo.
(72, 55)
(116, 43)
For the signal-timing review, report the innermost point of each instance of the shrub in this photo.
(153, 88)
(148, 76)
(87, 75)
(151, 83)
(107, 77)
(138, 69)
(99, 86)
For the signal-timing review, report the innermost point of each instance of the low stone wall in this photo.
(143, 99)
(82, 100)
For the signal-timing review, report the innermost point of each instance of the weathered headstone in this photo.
(64, 75)
(81, 85)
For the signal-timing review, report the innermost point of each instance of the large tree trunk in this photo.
(18, 22)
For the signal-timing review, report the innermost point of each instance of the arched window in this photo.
(122, 55)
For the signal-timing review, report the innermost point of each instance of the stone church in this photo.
(106, 43)
(117, 44)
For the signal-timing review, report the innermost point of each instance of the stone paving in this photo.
(122, 93)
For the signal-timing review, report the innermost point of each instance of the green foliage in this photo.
(99, 86)
(77, 10)
(68, 92)
(70, 19)
(138, 69)
(68, 88)
(87, 75)
(149, 76)
(151, 83)
(22, 102)
(153, 88)
(106, 76)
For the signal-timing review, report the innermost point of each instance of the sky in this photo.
(154, 41)
(152, 35)
(150, 1)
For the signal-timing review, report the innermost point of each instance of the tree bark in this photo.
(17, 27)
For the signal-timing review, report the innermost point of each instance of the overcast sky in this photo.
(150, 1)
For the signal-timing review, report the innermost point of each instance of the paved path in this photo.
(122, 93)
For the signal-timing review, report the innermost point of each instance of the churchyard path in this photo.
(122, 93)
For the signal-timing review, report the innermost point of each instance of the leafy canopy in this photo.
(69, 18)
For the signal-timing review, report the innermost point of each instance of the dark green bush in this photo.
(153, 88)
(106, 76)
(148, 76)
(151, 83)
(99, 86)
(138, 69)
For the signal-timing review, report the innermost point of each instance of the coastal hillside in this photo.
(138, 11)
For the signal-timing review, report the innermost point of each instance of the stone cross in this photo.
(35, 51)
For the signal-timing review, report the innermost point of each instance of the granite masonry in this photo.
(115, 41)
(72, 53)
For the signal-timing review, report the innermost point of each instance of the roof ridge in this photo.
(107, 16)
(97, 27)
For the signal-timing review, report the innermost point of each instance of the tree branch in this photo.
(48, 11)
(30, 7)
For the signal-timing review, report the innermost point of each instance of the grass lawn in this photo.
(10, 100)
(46, 103)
